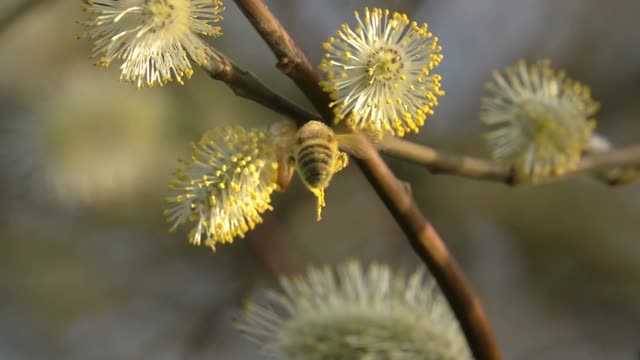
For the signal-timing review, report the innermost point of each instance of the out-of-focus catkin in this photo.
(541, 120)
(354, 313)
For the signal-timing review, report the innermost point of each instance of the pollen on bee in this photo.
(319, 193)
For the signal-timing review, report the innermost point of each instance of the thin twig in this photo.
(480, 169)
(423, 237)
(426, 242)
(291, 60)
(439, 162)
(627, 159)
(246, 85)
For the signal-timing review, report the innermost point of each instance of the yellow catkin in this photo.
(225, 187)
(153, 38)
(379, 73)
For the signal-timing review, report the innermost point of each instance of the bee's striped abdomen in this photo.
(315, 163)
(317, 158)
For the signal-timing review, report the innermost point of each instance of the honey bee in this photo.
(314, 152)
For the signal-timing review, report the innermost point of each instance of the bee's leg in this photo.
(342, 160)
(285, 171)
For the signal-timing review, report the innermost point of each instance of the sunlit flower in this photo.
(154, 38)
(380, 73)
(542, 120)
(373, 314)
(225, 186)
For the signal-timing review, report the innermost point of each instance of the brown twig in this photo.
(246, 85)
(616, 167)
(423, 237)
(291, 60)
(426, 242)
(440, 162)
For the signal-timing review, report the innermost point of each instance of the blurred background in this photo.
(89, 271)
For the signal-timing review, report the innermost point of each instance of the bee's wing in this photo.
(283, 135)
(358, 144)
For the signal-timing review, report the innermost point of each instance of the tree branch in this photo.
(624, 161)
(439, 162)
(246, 85)
(291, 60)
(480, 169)
(423, 237)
